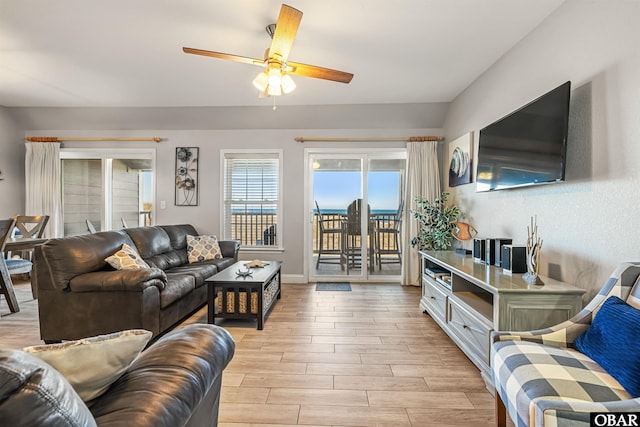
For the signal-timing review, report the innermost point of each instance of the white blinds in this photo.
(251, 194)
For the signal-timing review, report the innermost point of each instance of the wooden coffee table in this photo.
(250, 297)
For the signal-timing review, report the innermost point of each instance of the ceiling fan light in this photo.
(275, 77)
(274, 90)
(261, 81)
(288, 85)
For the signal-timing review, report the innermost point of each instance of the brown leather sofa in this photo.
(174, 382)
(80, 295)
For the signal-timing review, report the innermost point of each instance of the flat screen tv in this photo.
(528, 146)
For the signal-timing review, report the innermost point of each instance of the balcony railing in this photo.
(260, 229)
(254, 229)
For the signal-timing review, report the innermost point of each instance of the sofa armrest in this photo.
(565, 334)
(577, 413)
(119, 280)
(229, 248)
(168, 380)
(561, 335)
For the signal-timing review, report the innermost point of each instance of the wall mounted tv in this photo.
(528, 146)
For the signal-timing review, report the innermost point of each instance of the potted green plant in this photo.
(436, 223)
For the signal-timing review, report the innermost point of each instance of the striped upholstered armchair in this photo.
(541, 379)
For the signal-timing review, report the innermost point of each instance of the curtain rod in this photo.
(56, 139)
(408, 139)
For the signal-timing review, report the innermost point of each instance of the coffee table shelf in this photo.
(238, 297)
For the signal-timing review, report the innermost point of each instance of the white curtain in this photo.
(424, 181)
(42, 182)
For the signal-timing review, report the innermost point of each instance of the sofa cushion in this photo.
(178, 234)
(200, 271)
(612, 341)
(154, 245)
(223, 263)
(126, 259)
(540, 377)
(68, 257)
(178, 285)
(202, 248)
(149, 241)
(91, 365)
(32, 393)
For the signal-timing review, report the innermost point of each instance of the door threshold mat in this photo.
(322, 286)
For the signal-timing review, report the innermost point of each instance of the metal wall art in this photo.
(187, 176)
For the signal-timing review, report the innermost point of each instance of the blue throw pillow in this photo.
(612, 341)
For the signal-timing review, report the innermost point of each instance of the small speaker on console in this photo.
(479, 249)
(514, 259)
(496, 250)
(492, 250)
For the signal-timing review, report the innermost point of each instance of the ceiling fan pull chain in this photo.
(274, 103)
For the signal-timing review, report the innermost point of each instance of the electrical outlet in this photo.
(163, 204)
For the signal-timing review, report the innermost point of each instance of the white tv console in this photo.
(480, 298)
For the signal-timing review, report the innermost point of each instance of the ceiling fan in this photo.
(276, 77)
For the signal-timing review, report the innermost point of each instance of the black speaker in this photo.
(493, 250)
(479, 249)
(514, 259)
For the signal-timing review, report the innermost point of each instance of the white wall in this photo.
(211, 135)
(590, 223)
(11, 165)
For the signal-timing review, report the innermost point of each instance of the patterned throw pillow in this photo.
(200, 248)
(91, 365)
(126, 259)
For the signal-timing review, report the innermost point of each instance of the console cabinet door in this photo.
(434, 299)
(471, 329)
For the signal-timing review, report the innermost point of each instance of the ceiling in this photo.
(78, 53)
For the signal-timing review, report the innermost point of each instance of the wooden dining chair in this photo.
(31, 226)
(10, 266)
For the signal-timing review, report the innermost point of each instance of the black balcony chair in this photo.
(329, 239)
(389, 250)
(351, 225)
(269, 235)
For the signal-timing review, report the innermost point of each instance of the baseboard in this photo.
(293, 278)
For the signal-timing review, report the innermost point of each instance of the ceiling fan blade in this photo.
(286, 29)
(319, 72)
(246, 60)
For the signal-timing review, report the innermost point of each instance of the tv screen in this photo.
(528, 146)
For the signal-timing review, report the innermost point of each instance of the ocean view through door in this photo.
(355, 215)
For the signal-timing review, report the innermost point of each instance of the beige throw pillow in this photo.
(126, 258)
(91, 365)
(200, 248)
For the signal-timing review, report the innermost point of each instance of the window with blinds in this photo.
(252, 198)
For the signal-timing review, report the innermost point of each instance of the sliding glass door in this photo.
(106, 191)
(354, 199)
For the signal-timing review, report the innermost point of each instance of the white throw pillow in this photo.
(200, 248)
(126, 259)
(91, 365)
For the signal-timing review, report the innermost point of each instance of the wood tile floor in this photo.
(369, 357)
